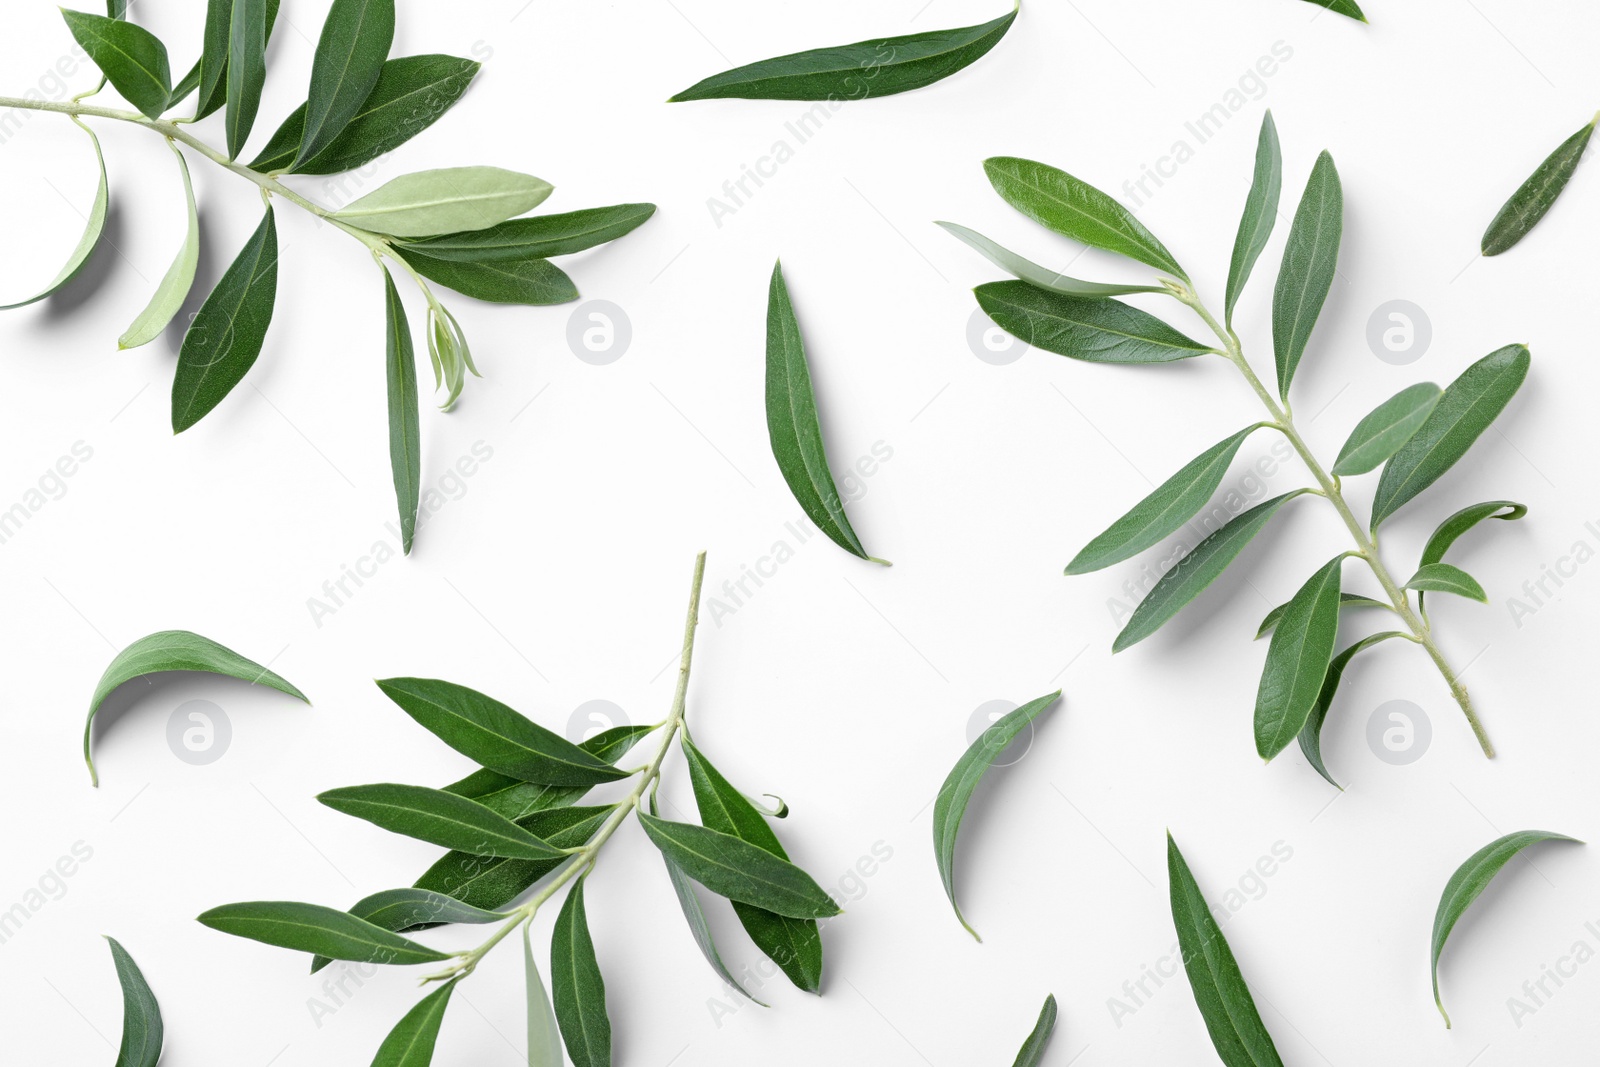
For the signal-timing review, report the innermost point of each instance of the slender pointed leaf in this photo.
(514, 798)
(175, 284)
(1030, 272)
(1033, 1049)
(132, 58)
(405, 427)
(1467, 884)
(406, 909)
(1343, 7)
(544, 1034)
(247, 71)
(411, 1042)
(490, 883)
(1538, 194)
(1386, 429)
(92, 230)
(1097, 331)
(1469, 405)
(446, 200)
(1173, 503)
(318, 930)
(1311, 733)
(1447, 578)
(1297, 660)
(228, 333)
(439, 818)
(538, 237)
(1346, 600)
(174, 650)
(950, 807)
(1189, 577)
(1310, 260)
(184, 86)
(738, 870)
(211, 73)
(142, 1031)
(1452, 528)
(580, 991)
(880, 67)
(350, 55)
(1260, 212)
(530, 281)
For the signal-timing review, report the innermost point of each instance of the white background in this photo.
(560, 575)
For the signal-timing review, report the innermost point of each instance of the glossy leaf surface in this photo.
(1097, 331)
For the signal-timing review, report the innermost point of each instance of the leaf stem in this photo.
(1366, 543)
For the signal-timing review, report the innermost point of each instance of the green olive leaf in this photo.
(1468, 883)
(879, 67)
(247, 71)
(793, 425)
(1260, 212)
(1346, 600)
(406, 909)
(1230, 1013)
(350, 57)
(1469, 405)
(228, 333)
(1061, 203)
(538, 237)
(142, 1031)
(318, 930)
(176, 283)
(439, 818)
(580, 991)
(1452, 528)
(1447, 578)
(1534, 198)
(405, 427)
(1297, 660)
(211, 72)
(446, 200)
(1386, 429)
(489, 883)
(1343, 7)
(1030, 272)
(514, 798)
(738, 870)
(132, 58)
(1033, 1049)
(1173, 503)
(950, 807)
(544, 1034)
(174, 650)
(1311, 733)
(531, 281)
(1190, 576)
(1310, 260)
(411, 1042)
(1096, 331)
(92, 230)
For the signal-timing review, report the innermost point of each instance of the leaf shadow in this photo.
(208, 271)
(121, 701)
(71, 298)
(1512, 884)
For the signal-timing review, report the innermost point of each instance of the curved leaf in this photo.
(142, 1031)
(1191, 574)
(1452, 528)
(950, 807)
(92, 229)
(132, 58)
(1260, 212)
(174, 650)
(1343, 7)
(445, 200)
(1538, 194)
(1386, 429)
(350, 56)
(738, 870)
(1311, 732)
(879, 67)
(538, 237)
(176, 283)
(1346, 600)
(544, 1034)
(1469, 405)
(247, 71)
(1032, 1053)
(529, 281)
(580, 991)
(1447, 578)
(1033, 274)
(1097, 331)
(1467, 885)
(1310, 260)
(405, 427)
(411, 1042)
(405, 909)
(1173, 503)
(1059, 202)
(439, 818)
(1297, 660)
(318, 930)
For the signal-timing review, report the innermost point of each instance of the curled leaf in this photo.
(92, 229)
(1032, 1053)
(142, 1031)
(1451, 529)
(176, 283)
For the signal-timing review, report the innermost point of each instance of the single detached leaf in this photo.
(793, 426)
(544, 1035)
(1033, 274)
(405, 909)
(1032, 1054)
(179, 279)
(1452, 528)
(411, 1042)
(1059, 202)
(318, 930)
(1297, 660)
(211, 73)
(494, 736)
(1311, 733)
(133, 59)
(1310, 260)
(879, 67)
(735, 869)
(494, 883)
(1260, 212)
(445, 201)
(1343, 7)
(1230, 1014)
(410, 95)
(538, 237)
(1189, 577)
(247, 71)
(1468, 884)
(142, 1032)
(405, 427)
(950, 807)
(530, 281)
(350, 56)
(795, 945)
(1469, 405)
(174, 650)
(440, 818)
(93, 228)
(1097, 331)
(227, 334)
(1447, 578)
(1389, 426)
(514, 798)
(1173, 503)
(580, 991)
(1346, 600)
(1538, 194)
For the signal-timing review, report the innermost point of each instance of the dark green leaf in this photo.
(227, 334)
(1058, 201)
(1230, 1014)
(1098, 331)
(738, 870)
(1030, 272)
(793, 426)
(494, 883)
(406, 909)
(538, 237)
(494, 736)
(318, 930)
(1447, 578)
(1173, 503)
(795, 945)
(142, 1032)
(1191, 574)
(1469, 405)
(411, 94)
(1346, 600)
(411, 1042)
(1310, 260)
(174, 650)
(350, 55)
(439, 818)
(1297, 660)
(1260, 212)
(1538, 194)
(1032, 1053)
(247, 71)
(185, 85)
(580, 991)
(92, 230)
(212, 70)
(1387, 428)
(133, 59)
(1465, 519)
(514, 798)
(1311, 732)
(405, 428)
(950, 807)
(530, 281)
(880, 67)
(544, 1035)
(1469, 882)
(1343, 7)
(116, 8)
